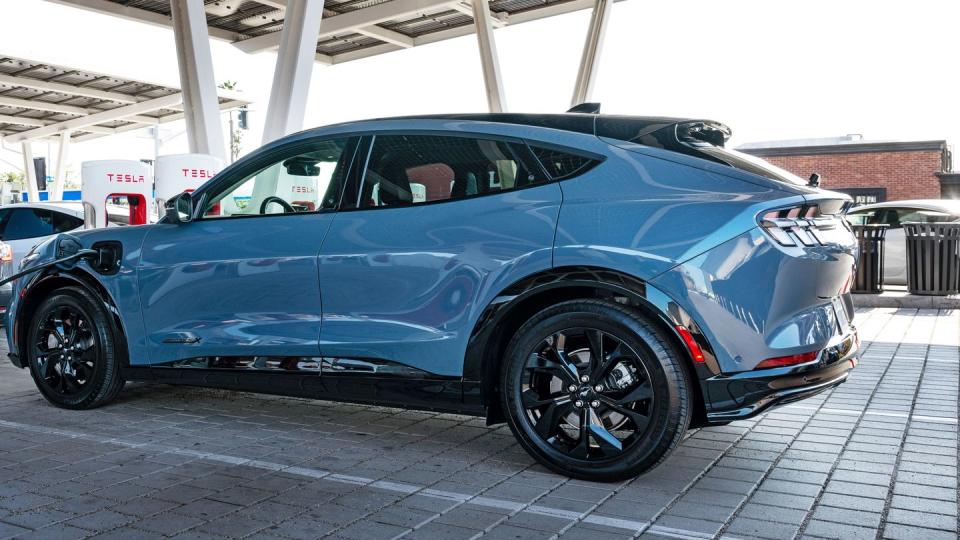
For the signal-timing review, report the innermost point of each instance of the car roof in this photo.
(74, 208)
(948, 206)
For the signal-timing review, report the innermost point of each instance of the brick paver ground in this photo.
(875, 458)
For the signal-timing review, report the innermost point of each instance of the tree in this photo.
(236, 135)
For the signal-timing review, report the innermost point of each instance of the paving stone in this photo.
(926, 520)
(847, 516)
(743, 526)
(300, 527)
(364, 530)
(102, 520)
(441, 531)
(861, 504)
(828, 529)
(8, 530)
(471, 517)
(923, 505)
(895, 531)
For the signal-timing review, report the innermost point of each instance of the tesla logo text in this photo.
(126, 178)
(301, 189)
(197, 173)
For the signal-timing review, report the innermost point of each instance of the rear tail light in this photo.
(791, 360)
(6, 253)
(695, 351)
(802, 225)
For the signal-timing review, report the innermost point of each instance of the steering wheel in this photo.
(287, 207)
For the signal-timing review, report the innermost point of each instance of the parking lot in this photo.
(875, 458)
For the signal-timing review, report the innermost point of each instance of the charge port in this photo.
(109, 254)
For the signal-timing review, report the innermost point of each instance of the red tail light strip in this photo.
(791, 360)
(695, 351)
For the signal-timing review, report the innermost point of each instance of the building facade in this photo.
(868, 171)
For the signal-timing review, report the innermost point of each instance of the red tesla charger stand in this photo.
(177, 173)
(119, 180)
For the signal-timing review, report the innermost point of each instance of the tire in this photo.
(639, 393)
(71, 350)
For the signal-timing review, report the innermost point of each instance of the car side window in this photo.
(28, 223)
(65, 222)
(305, 181)
(412, 169)
(561, 164)
(916, 215)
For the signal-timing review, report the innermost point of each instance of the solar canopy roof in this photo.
(39, 100)
(351, 29)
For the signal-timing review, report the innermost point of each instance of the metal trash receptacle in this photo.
(933, 258)
(869, 276)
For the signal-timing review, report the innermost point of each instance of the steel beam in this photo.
(559, 8)
(116, 9)
(493, 82)
(16, 120)
(499, 19)
(30, 174)
(60, 180)
(587, 73)
(291, 76)
(67, 89)
(161, 120)
(84, 123)
(201, 105)
(42, 106)
(353, 21)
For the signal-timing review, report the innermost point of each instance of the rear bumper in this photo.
(742, 395)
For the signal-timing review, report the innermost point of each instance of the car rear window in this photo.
(750, 164)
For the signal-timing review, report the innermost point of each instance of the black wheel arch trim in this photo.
(42, 284)
(515, 304)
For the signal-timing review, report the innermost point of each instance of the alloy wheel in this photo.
(587, 394)
(65, 351)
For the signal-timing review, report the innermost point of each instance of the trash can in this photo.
(933, 258)
(869, 277)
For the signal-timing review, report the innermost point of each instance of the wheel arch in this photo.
(44, 284)
(521, 300)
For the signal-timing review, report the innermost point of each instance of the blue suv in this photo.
(599, 283)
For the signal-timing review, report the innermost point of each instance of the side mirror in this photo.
(179, 209)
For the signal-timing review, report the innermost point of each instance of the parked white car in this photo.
(894, 214)
(24, 225)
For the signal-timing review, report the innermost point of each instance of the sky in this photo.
(771, 70)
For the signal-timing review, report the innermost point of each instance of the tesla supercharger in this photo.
(114, 179)
(177, 173)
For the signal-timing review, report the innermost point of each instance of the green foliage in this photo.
(14, 177)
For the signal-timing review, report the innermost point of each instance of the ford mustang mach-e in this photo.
(600, 283)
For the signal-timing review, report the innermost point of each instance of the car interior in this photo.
(407, 170)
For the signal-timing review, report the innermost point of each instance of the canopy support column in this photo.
(493, 82)
(587, 73)
(200, 103)
(30, 173)
(291, 76)
(60, 181)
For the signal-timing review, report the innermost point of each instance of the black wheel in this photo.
(593, 390)
(71, 351)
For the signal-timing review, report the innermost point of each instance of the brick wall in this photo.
(905, 174)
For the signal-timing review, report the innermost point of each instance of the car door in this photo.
(239, 284)
(437, 225)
